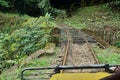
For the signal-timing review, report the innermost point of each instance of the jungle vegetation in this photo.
(38, 7)
(25, 26)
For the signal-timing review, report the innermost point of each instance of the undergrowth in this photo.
(108, 55)
(87, 16)
(22, 37)
(117, 44)
(43, 61)
(96, 18)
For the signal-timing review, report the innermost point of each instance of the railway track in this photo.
(77, 49)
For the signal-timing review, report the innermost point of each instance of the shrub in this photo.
(117, 44)
(33, 35)
(115, 5)
(31, 7)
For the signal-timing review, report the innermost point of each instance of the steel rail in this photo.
(91, 50)
(68, 46)
(66, 50)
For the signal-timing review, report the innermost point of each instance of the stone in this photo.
(50, 48)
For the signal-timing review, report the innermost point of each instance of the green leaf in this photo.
(11, 61)
(14, 46)
(4, 3)
(1, 66)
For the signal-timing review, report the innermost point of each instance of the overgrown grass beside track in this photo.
(109, 55)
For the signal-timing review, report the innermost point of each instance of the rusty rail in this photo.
(66, 50)
(91, 50)
(68, 46)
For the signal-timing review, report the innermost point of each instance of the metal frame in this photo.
(57, 69)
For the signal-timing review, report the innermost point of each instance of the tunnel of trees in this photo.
(40, 7)
(31, 7)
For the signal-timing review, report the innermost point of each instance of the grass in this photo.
(97, 16)
(43, 61)
(108, 55)
(81, 16)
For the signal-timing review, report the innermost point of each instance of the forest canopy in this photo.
(31, 7)
(37, 7)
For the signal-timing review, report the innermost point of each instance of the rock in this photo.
(50, 48)
(50, 51)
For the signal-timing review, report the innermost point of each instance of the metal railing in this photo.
(46, 73)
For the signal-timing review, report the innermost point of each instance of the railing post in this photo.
(107, 67)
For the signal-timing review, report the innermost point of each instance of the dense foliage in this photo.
(38, 7)
(117, 44)
(115, 5)
(33, 35)
(31, 7)
(7, 3)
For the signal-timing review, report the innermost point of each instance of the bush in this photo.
(4, 3)
(115, 5)
(31, 7)
(117, 44)
(34, 34)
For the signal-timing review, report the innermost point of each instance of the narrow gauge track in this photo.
(76, 46)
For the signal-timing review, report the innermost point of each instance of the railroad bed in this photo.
(76, 49)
